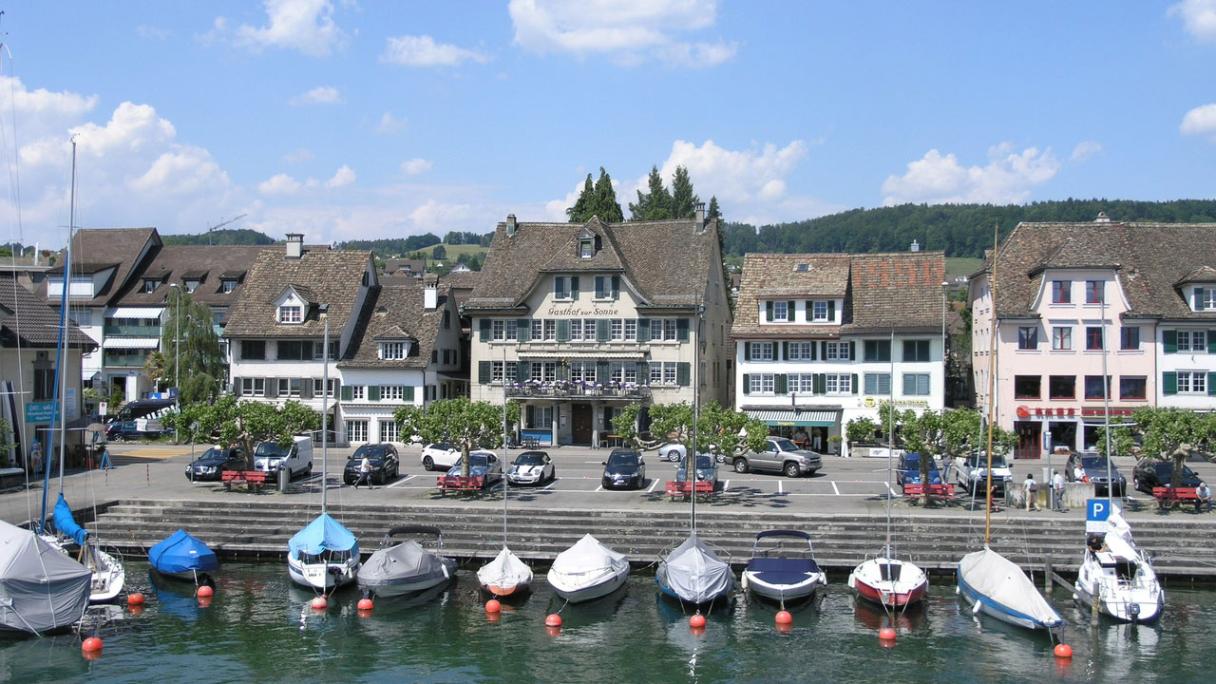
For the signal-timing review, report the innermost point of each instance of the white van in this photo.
(269, 457)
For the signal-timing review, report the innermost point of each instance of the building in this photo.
(405, 268)
(823, 339)
(576, 321)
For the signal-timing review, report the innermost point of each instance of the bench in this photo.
(940, 489)
(686, 488)
(456, 483)
(254, 479)
(1167, 496)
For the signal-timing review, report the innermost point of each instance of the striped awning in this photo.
(807, 418)
(130, 343)
(590, 356)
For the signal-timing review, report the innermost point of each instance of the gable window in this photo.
(762, 351)
(781, 311)
(150, 284)
(1192, 341)
(1062, 387)
(819, 311)
(290, 314)
(1061, 338)
(878, 350)
(227, 286)
(877, 383)
(1027, 387)
(253, 350)
(392, 351)
(561, 288)
(1093, 387)
(1129, 338)
(916, 350)
(1061, 292)
(1093, 291)
(1028, 338)
(916, 384)
(1093, 337)
(586, 248)
(1192, 382)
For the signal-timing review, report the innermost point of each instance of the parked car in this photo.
(624, 469)
(214, 461)
(440, 455)
(780, 455)
(1094, 467)
(532, 467)
(672, 452)
(269, 457)
(138, 419)
(909, 470)
(706, 470)
(382, 458)
(1150, 472)
(483, 464)
(973, 470)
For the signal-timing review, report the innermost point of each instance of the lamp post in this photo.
(945, 357)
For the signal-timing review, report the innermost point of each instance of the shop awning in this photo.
(809, 418)
(135, 312)
(576, 356)
(131, 343)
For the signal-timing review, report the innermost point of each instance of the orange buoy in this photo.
(553, 631)
(365, 604)
(553, 620)
(135, 599)
(205, 591)
(783, 617)
(135, 611)
(1063, 651)
(697, 621)
(204, 602)
(886, 634)
(493, 606)
(91, 645)
(319, 603)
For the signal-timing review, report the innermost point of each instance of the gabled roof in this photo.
(96, 249)
(34, 321)
(1203, 274)
(303, 292)
(667, 261)
(396, 312)
(210, 264)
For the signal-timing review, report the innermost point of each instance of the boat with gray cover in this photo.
(407, 567)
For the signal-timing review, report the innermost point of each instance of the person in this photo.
(1203, 497)
(1078, 473)
(1057, 491)
(365, 473)
(801, 438)
(1031, 488)
(105, 459)
(36, 457)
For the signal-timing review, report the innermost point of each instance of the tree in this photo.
(583, 208)
(860, 430)
(654, 205)
(1171, 434)
(188, 338)
(713, 212)
(246, 423)
(922, 433)
(683, 199)
(439, 252)
(467, 423)
(606, 206)
(1122, 441)
(671, 422)
(625, 423)
(718, 427)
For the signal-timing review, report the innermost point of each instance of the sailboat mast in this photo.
(690, 464)
(890, 438)
(324, 414)
(505, 483)
(61, 353)
(992, 333)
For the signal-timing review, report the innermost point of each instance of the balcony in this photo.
(124, 360)
(578, 390)
(123, 330)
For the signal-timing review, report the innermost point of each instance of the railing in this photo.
(560, 390)
(132, 330)
(124, 361)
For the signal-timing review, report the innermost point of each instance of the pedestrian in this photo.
(1031, 490)
(105, 459)
(365, 473)
(36, 458)
(1057, 491)
(1203, 497)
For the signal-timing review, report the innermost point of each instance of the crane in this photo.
(221, 224)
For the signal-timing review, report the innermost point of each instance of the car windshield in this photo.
(785, 445)
(703, 463)
(530, 458)
(1093, 463)
(212, 454)
(374, 452)
(478, 461)
(443, 446)
(270, 449)
(622, 460)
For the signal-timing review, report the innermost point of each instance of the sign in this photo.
(41, 411)
(1047, 441)
(581, 312)
(1097, 511)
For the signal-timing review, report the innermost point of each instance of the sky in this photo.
(346, 119)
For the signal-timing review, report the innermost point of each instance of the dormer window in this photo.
(392, 351)
(586, 248)
(191, 286)
(781, 311)
(291, 314)
(150, 284)
(227, 286)
(1205, 299)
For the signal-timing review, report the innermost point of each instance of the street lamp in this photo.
(177, 340)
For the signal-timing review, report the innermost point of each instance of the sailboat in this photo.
(41, 589)
(181, 555)
(588, 570)
(506, 575)
(885, 579)
(406, 568)
(990, 583)
(324, 555)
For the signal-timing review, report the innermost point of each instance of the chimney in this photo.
(915, 246)
(295, 245)
(430, 294)
(699, 214)
(510, 225)
(1102, 218)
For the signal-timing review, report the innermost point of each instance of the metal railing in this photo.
(561, 390)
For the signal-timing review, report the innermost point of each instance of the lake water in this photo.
(260, 628)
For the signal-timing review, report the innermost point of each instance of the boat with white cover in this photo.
(588, 570)
(995, 586)
(406, 568)
(506, 575)
(779, 574)
(1119, 576)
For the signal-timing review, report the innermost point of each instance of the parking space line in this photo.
(599, 488)
(654, 483)
(835, 488)
(726, 485)
(402, 481)
(780, 489)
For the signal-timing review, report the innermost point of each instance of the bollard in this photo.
(1093, 611)
(285, 478)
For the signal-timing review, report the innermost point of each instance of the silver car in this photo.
(780, 455)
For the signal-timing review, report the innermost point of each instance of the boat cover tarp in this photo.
(1116, 525)
(783, 570)
(506, 570)
(695, 573)
(587, 563)
(180, 552)
(66, 524)
(404, 561)
(41, 587)
(321, 535)
(1000, 580)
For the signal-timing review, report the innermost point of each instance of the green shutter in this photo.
(820, 383)
(1169, 383)
(772, 350)
(643, 330)
(601, 371)
(1212, 384)
(683, 374)
(747, 388)
(523, 329)
(852, 351)
(643, 373)
(306, 388)
(408, 393)
(682, 329)
(747, 351)
(483, 375)
(831, 309)
(272, 388)
(563, 330)
(484, 327)
(1198, 295)
(768, 311)
(616, 287)
(785, 351)
(599, 287)
(1170, 337)
(373, 391)
(853, 383)
(347, 393)
(574, 288)
(1212, 341)
(789, 311)
(601, 330)
(781, 383)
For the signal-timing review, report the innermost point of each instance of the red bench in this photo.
(941, 489)
(1167, 496)
(456, 483)
(686, 488)
(254, 479)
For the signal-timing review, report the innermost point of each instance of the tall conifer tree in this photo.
(683, 198)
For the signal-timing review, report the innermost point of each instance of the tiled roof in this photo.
(99, 248)
(898, 290)
(35, 321)
(396, 312)
(334, 277)
(209, 263)
(668, 261)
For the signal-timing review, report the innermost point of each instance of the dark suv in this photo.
(1151, 472)
(383, 459)
(214, 461)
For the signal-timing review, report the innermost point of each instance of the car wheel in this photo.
(428, 463)
(740, 465)
(791, 469)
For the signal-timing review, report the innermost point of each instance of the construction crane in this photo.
(221, 224)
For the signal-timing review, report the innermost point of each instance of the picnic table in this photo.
(255, 480)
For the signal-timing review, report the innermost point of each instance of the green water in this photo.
(259, 628)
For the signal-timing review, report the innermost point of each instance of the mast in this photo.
(505, 482)
(690, 464)
(992, 333)
(891, 438)
(324, 414)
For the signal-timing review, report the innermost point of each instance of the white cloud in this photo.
(1085, 149)
(304, 25)
(318, 96)
(416, 166)
(1198, 17)
(298, 156)
(280, 184)
(184, 171)
(433, 216)
(423, 51)
(32, 106)
(627, 31)
(390, 124)
(1200, 121)
(1007, 178)
(343, 177)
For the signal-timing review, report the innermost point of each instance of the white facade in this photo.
(369, 398)
(1186, 354)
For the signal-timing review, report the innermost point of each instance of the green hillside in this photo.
(227, 236)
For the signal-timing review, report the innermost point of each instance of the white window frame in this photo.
(819, 311)
(227, 286)
(550, 371)
(916, 382)
(394, 392)
(669, 373)
(316, 386)
(550, 330)
(357, 392)
(1196, 341)
(285, 385)
(496, 372)
(498, 330)
(290, 313)
(766, 355)
(761, 383)
(800, 351)
(631, 329)
(1209, 299)
(630, 373)
(836, 351)
(1056, 331)
(586, 248)
(253, 387)
(388, 430)
(576, 330)
(838, 383)
(356, 430)
(392, 351)
(1192, 382)
(781, 312)
(192, 285)
(589, 330)
(616, 330)
(656, 373)
(538, 329)
(801, 383)
(669, 329)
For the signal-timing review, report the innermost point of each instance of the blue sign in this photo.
(41, 411)
(542, 437)
(1097, 512)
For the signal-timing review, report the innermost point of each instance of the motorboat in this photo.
(780, 575)
(183, 556)
(407, 567)
(889, 582)
(693, 574)
(588, 570)
(995, 586)
(1118, 575)
(506, 575)
(324, 555)
(42, 589)
(109, 575)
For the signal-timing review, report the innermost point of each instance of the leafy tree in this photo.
(713, 212)
(683, 199)
(467, 423)
(860, 430)
(1122, 441)
(625, 423)
(584, 206)
(439, 253)
(960, 432)
(1171, 434)
(654, 205)
(718, 427)
(672, 422)
(922, 433)
(188, 339)
(247, 423)
(606, 206)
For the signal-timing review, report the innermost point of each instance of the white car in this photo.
(440, 456)
(972, 472)
(672, 452)
(531, 467)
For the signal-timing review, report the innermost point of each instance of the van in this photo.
(269, 457)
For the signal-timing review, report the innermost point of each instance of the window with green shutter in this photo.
(373, 392)
(523, 330)
(747, 388)
(781, 383)
(601, 330)
(1170, 338)
(483, 326)
(643, 330)
(768, 312)
(563, 330)
(1169, 383)
(347, 393)
(574, 288)
(683, 374)
(616, 287)
(682, 329)
(483, 373)
(409, 393)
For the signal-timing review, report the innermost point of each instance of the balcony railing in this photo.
(122, 330)
(567, 390)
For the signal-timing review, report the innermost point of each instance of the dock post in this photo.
(1093, 607)
(1047, 570)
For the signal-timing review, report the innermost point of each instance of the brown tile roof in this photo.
(668, 261)
(411, 266)
(210, 263)
(33, 320)
(99, 248)
(334, 277)
(396, 312)
(1151, 261)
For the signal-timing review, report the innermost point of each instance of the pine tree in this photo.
(654, 205)
(714, 212)
(605, 205)
(683, 198)
(582, 211)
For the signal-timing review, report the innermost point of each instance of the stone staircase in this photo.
(261, 529)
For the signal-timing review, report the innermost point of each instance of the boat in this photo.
(406, 568)
(587, 571)
(780, 576)
(506, 575)
(693, 574)
(42, 590)
(324, 555)
(183, 556)
(109, 575)
(1119, 576)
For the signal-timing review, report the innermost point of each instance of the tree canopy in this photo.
(470, 424)
(596, 199)
(246, 423)
(188, 337)
(718, 427)
(1167, 434)
(655, 203)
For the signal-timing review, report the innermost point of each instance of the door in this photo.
(1030, 439)
(580, 423)
(769, 459)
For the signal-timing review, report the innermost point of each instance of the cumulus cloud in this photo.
(1085, 149)
(321, 95)
(628, 32)
(1198, 17)
(433, 216)
(390, 124)
(1007, 178)
(280, 184)
(416, 166)
(304, 25)
(1200, 121)
(343, 177)
(423, 51)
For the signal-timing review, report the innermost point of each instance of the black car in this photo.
(1151, 473)
(383, 459)
(1094, 471)
(207, 468)
(624, 469)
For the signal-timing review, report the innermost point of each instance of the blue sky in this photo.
(349, 119)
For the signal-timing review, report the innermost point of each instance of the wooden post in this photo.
(1093, 610)
(1047, 580)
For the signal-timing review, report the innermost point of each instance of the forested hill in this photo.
(959, 229)
(233, 236)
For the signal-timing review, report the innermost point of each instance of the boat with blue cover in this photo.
(109, 575)
(183, 556)
(783, 574)
(324, 555)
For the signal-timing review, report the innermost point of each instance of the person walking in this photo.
(105, 464)
(365, 473)
(1057, 491)
(1031, 490)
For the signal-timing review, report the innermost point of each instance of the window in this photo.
(762, 351)
(540, 417)
(294, 350)
(1061, 338)
(1027, 387)
(656, 373)
(877, 383)
(781, 311)
(561, 290)
(663, 329)
(150, 284)
(836, 351)
(801, 383)
(511, 330)
(839, 383)
(191, 286)
(630, 374)
(290, 314)
(1192, 341)
(582, 371)
(550, 330)
(800, 351)
(878, 350)
(1129, 338)
(397, 392)
(1093, 387)
(1062, 387)
(760, 383)
(1093, 337)
(1061, 292)
(357, 392)
(631, 328)
(392, 350)
(1133, 387)
(290, 387)
(589, 330)
(586, 249)
(497, 330)
(1207, 298)
(916, 384)
(669, 374)
(316, 387)
(576, 330)
(389, 431)
(318, 350)
(1192, 382)
(253, 350)
(227, 286)
(616, 329)
(496, 371)
(356, 430)
(538, 329)
(253, 387)
(819, 311)
(1028, 338)
(916, 350)
(1093, 291)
